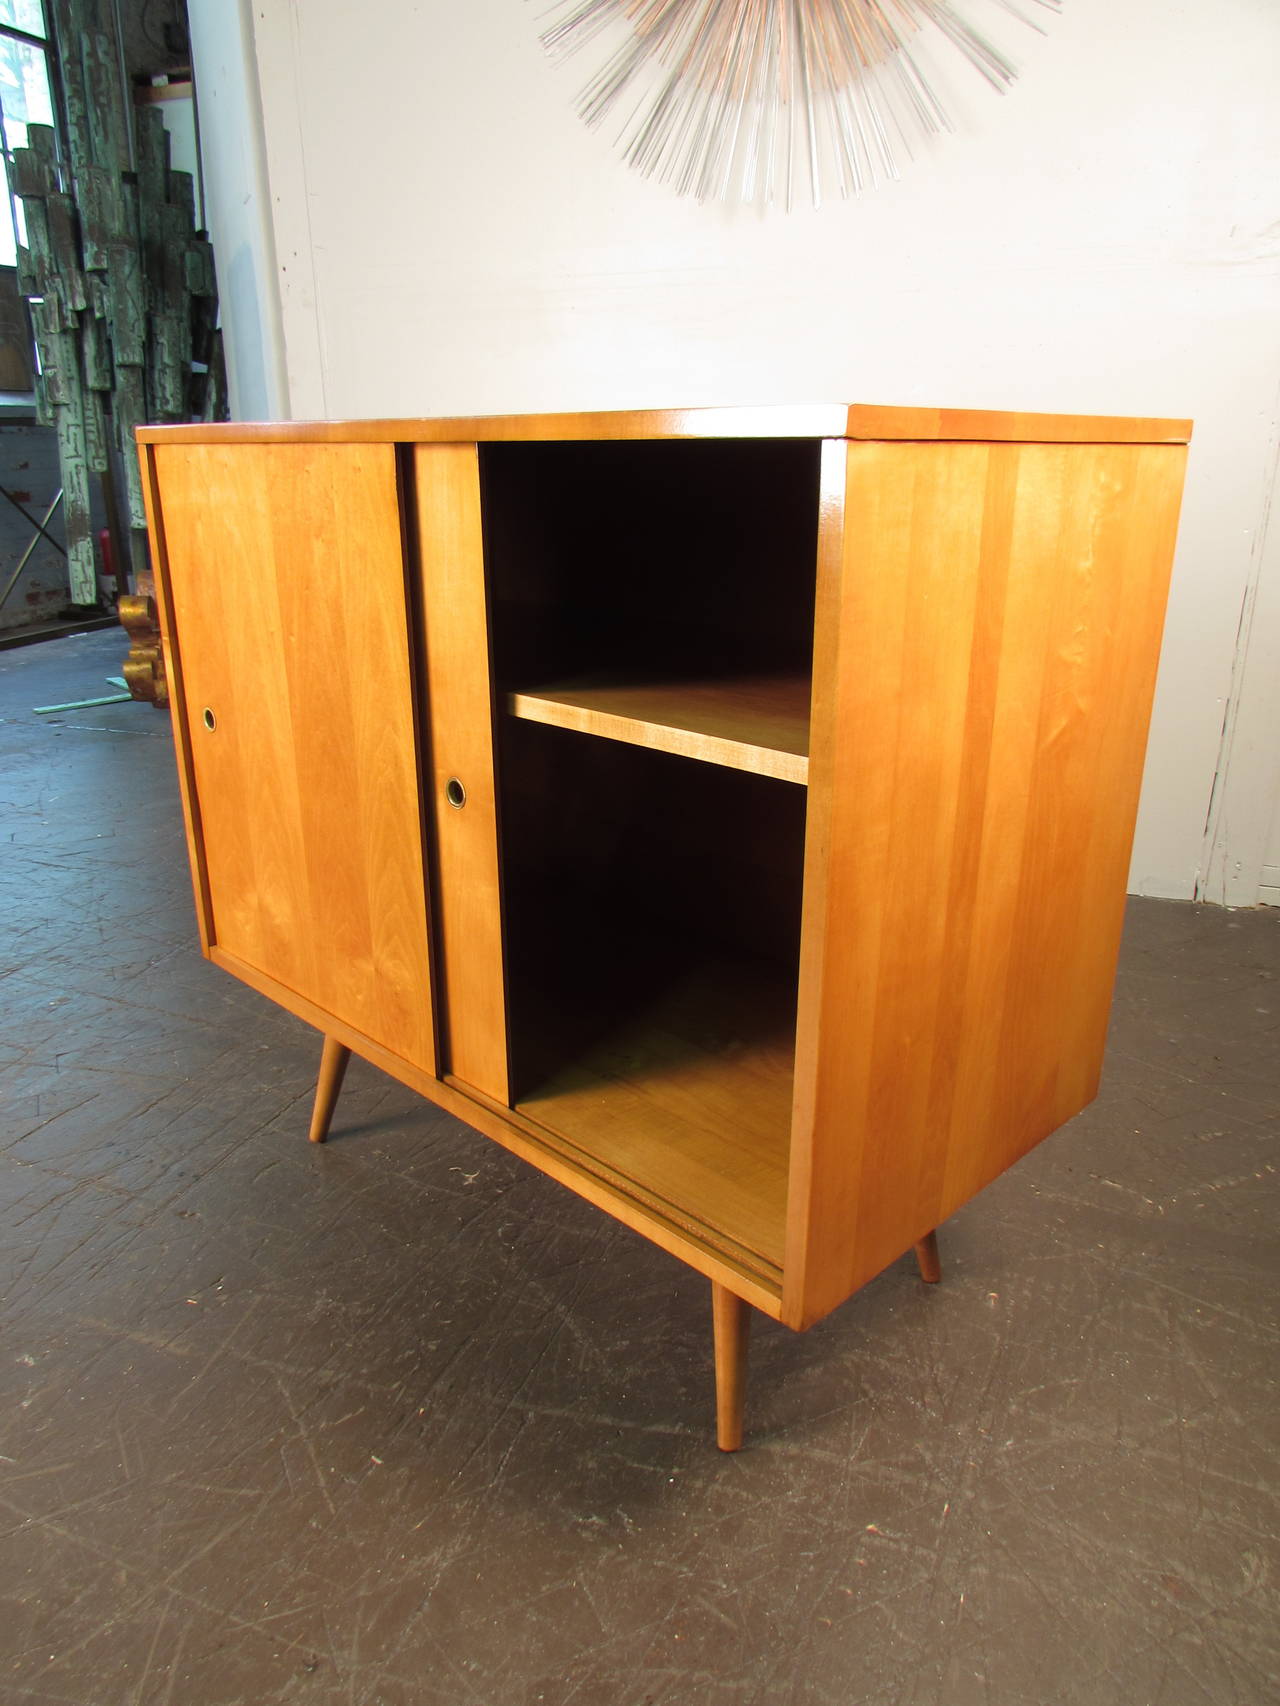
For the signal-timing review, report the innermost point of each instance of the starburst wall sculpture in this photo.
(760, 99)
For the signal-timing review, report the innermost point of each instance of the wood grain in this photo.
(731, 1327)
(980, 712)
(927, 1258)
(335, 1057)
(817, 420)
(760, 725)
(285, 572)
(876, 421)
(172, 665)
(822, 420)
(689, 1096)
(455, 645)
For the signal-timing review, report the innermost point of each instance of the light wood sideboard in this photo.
(726, 810)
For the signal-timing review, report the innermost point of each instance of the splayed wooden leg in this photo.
(333, 1068)
(732, 1325)
(927, 1259)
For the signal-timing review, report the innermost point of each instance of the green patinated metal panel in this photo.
(95, 351)
(129, 408)
(122, 288)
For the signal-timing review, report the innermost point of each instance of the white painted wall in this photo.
(1103, 239)
(1243, 839)
(234, 179)
(1269, 889)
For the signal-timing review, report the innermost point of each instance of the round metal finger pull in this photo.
(455, 793)
(210, 721)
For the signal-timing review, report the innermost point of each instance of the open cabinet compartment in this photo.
(660, 593)
(653, 924)
(652, 650)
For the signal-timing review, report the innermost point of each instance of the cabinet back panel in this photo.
(603, 840)
(981, 700)
(285, 574)
(650, 559)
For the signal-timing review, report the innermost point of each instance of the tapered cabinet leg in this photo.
(333, 1069)
(732, 1324)
(927, 1259)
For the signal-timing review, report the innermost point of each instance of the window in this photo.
(25, 99)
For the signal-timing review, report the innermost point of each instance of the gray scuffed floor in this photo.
(397, 1422)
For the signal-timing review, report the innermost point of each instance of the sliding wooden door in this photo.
(284, 574)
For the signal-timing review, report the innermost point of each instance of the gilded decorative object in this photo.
(144, 667)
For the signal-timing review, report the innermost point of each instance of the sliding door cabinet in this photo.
(728, 811)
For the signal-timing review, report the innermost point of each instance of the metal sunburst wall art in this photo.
(761, 100)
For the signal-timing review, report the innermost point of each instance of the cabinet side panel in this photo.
(979, 728)
(460, 712)
(286, 586)
(177, 699)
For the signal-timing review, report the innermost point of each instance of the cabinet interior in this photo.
(668, 585)
(652, 611)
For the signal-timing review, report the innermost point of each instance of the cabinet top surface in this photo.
(810, 420)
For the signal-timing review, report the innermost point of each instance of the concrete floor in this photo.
(397, 1422)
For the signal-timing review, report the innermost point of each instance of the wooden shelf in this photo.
(760, 724)
(689, 1096)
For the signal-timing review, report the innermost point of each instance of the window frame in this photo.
(45, 45)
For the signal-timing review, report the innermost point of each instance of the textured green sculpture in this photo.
(121, 285)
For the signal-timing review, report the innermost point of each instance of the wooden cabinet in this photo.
(729, 811)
